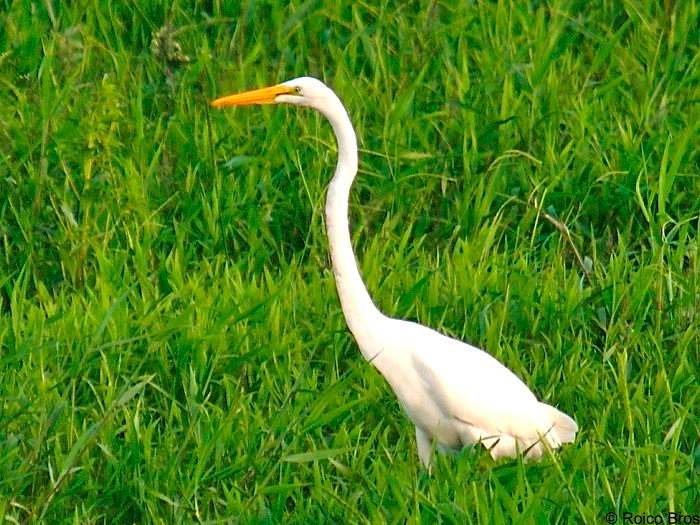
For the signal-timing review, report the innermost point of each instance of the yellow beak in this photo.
(257, 96)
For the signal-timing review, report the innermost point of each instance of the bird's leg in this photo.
(425, 447)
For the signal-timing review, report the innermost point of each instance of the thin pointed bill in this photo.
(257, 96)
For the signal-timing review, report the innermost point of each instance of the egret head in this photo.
(302, 91)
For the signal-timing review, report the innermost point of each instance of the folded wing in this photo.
(486, 402)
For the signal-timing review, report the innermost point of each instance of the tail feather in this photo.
(564, 427)
(555, 428)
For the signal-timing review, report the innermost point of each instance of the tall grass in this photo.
(171, 346)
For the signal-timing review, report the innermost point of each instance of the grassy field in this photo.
(171, 346)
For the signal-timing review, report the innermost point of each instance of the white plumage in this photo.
(454, 393)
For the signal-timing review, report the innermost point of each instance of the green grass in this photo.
(171, 346)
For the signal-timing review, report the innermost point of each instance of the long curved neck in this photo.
(358, 308)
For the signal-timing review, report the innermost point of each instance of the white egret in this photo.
(454, 393)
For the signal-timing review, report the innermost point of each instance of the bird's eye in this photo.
(297, 90)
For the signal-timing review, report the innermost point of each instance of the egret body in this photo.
(455, 394)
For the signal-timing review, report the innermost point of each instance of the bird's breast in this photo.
(418, 404)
